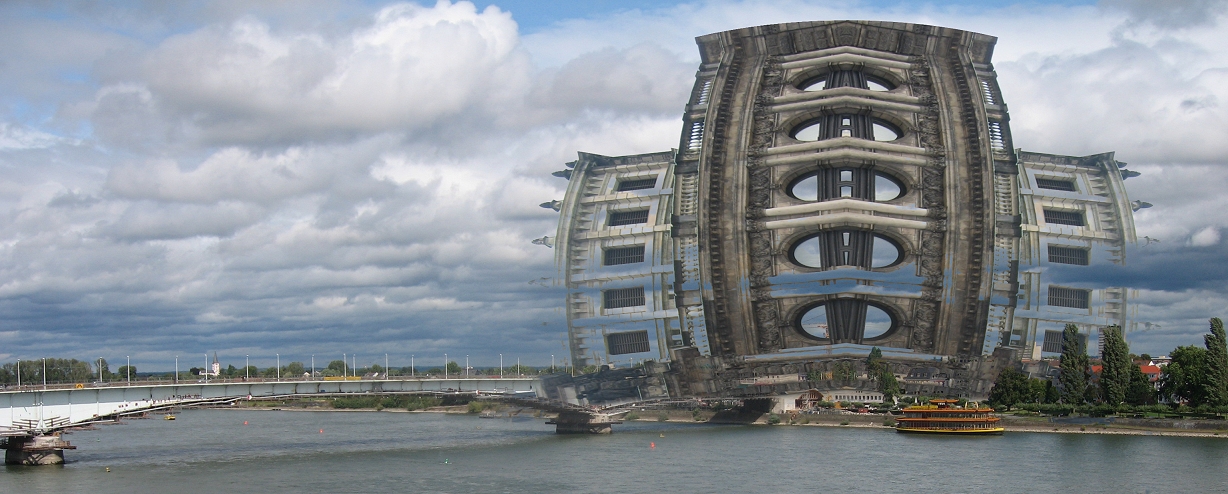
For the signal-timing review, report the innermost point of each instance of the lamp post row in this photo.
(353, 364)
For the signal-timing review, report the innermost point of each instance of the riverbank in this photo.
(1079, 425)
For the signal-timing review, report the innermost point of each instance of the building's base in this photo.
(36, 450)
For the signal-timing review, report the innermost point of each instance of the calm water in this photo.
(212, 451)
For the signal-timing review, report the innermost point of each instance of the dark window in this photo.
(1061, 217)
(1053, 342)
(1075, 298)
(1055, 184)
(629, 342)
(618, 218)
(623, 297)
(623, 255)
(1068, 255)
(637, 184)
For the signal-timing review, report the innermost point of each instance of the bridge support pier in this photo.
(583, 423)
(36, 450)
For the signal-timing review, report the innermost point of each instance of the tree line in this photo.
(1196, 378)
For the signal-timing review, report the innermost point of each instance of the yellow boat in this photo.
(945, 417)
(168, 417)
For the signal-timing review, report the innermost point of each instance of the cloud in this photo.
(1170, 14)
(255, 178)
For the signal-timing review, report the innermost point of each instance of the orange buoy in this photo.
(244, 422)
(652, 445)
(321, 431)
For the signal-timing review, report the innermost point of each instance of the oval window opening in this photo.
(885, 188)
(806, 188)
(815, 85)
(877, 84)
(807, 253)
(878, 322)
(883, 133)
(886, 254)
(814, 322)
(807, 133)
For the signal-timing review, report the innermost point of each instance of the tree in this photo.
(1010, 388)
(1185, 378)
(338, 367)
(294, 369)
(231, 371)
(126, 372)
(1217, 364)
(1140, 391)
(1115, 368)
(1073, 377)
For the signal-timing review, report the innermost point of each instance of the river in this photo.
(334, 452)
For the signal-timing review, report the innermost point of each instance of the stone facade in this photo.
(841, 186)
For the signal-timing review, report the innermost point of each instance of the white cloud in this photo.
(1206, 237)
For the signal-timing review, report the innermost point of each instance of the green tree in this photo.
(1052, 395)
(1184, 379)
(126, 372)
(1073, 377)
(231, 371)
(1115, 367)
(1217, 364)
(338, 367)
(1140, 391)
(294, 370)
(454, 369)
(1011, 387)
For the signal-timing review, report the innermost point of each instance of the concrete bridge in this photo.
(31, 420)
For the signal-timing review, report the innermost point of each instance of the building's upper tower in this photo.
(838, 181)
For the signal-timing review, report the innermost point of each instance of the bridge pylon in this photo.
(574, 422)
(36, 450)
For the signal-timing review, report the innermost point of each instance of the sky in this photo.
(323, 177)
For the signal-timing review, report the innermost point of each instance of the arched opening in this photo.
(814, 322)
(884, 132)
(806, 187)
(849, 125)
(857, 248)
(878, 322)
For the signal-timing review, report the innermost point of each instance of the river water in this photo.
(291, 451)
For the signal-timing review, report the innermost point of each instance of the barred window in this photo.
(1064, 217)
(619, 218)
(623, 255)
(1075, 298)
(1053, 342)
(628, 342)
(1055, 184)
(623, 297)
(637, 184)
(1068, 255)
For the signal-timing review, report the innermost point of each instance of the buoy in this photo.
(244, 422)
(321, 431)
(108, 469)
(652, 445)
(662, 434)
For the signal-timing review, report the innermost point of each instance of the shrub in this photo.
(632, 416)
(773, 419)
(662, 417)
(844, 422)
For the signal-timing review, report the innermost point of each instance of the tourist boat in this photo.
(945, 417)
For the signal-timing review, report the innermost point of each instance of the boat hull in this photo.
(958, 432)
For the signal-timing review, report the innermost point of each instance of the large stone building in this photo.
(838, 186)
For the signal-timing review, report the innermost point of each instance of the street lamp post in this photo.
(18, 373)
(176, 369)
(206, 370)
(278, 366)
(247, 366)
(99, 369)
(128, 368)
(445, 366)
(385, 366)
(344, 363)
(411, 365)
(500, 365)
(45, 373)
(466, 367)
(552, 363)
(313, 367)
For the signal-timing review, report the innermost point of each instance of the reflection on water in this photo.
(212, 451)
